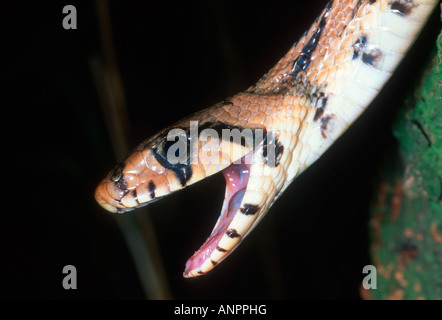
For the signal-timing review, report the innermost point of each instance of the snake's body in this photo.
(302, 105)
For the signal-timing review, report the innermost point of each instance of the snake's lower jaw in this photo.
(246, 201)
(211, 253)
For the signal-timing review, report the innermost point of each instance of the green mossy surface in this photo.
(406, 217)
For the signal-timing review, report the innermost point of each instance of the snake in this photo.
(261, 139)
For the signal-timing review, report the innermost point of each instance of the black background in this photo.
(175, 59)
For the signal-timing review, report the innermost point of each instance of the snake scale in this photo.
(294, 114)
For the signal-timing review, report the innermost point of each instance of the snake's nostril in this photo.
(116, 174)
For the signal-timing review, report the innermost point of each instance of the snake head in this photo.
(188, 152)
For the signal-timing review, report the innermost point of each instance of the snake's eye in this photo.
(167, 145)
(174, 154)
(174, 150)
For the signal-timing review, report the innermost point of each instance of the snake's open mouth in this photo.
(237, 177)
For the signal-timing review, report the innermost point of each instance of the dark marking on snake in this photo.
(311, 90)
(369, 55)
(320, 109)
(249, 209)
(302, 62)
(220, 249)
(184, 175)
(134, 195)
(372, 1)
(122, 185)
(294, 81)
(278, 152)
(357, 7)
(318, 114)
(321, 101)
(272, 150)
(358, 47)
(151, 187)
(402, 7)
(213, 262)
(232, 233)
(200, 272)
(227, 132)
(372, 57)
(324, 124)
(183, 172)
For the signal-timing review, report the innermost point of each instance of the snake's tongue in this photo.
(237, 177)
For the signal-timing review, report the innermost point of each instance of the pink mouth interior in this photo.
(237, 177)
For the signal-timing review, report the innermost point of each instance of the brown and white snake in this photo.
(294, 113)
